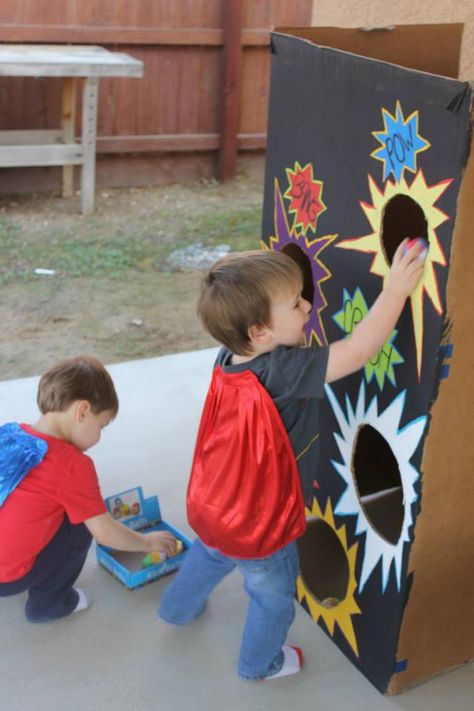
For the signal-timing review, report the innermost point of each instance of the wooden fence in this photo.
(203, 98)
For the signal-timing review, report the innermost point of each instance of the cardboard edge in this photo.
(439, 632)
(303, 34)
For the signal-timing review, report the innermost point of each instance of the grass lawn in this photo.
(113, 293)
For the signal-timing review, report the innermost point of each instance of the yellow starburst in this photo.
(342, 612)
(426, 197)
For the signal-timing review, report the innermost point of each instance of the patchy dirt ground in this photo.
(113, 293)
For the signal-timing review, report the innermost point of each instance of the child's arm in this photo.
(113, 534)
(350, 354)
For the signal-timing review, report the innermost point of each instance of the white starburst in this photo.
(403, 443)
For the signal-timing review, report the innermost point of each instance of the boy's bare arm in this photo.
(113, 534)
(350, 354)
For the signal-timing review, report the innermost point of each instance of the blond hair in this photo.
(236, 294)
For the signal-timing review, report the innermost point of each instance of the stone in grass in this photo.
(196, 256)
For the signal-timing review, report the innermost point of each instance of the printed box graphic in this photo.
(142, 514)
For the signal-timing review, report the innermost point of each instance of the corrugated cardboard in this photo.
(361, 150)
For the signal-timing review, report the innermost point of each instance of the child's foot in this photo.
(83, 601)
(292, 663)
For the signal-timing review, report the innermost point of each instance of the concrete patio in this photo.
(118, 655)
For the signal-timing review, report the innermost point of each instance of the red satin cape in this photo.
(244, 495)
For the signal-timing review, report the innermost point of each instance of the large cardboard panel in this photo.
(437, 631)
(338, 202)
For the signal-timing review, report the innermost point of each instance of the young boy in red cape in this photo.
(256, 453)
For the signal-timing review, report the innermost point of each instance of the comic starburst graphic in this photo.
(403, 443)
(381, 365)
(305, 196)
(426, 196)
(400, 143)
(340, 614)
(284, 236)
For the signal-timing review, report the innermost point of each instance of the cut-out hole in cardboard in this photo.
(402, 217)
(323, 563)
(304, 263)
(378, 482)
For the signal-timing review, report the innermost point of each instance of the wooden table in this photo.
(58, 147)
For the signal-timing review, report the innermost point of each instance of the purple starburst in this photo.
(312, 249)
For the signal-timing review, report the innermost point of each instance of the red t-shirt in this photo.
(65, 482)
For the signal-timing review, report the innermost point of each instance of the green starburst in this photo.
(381, 365)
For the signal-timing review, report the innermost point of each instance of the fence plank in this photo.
(56, 34)
(179, 105)
(176, 143)
(231, 88)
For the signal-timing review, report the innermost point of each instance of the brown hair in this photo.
(236, 294)
(80, 378)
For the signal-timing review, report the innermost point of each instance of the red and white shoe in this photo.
(292, 664)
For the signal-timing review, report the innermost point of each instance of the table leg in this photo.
(90, 93)
(68, 121)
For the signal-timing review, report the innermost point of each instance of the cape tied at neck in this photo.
(20, 452)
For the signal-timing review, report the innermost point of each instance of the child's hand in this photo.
(406, 269)
(160, 541)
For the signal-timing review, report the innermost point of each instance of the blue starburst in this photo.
(400, 143)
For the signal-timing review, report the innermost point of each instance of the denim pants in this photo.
(270, 585)
(56, 568)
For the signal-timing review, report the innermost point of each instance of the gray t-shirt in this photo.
(294, 378)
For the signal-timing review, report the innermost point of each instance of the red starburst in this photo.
(304, 193)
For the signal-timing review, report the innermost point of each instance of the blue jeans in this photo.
(270, 585)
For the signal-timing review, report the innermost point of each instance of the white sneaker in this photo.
(292, 663)
(83, 601)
